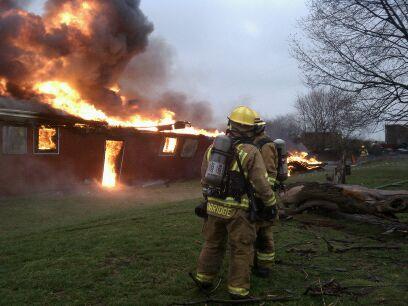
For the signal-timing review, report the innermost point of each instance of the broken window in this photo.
(169, 146)
(46, 140)
(189, 148)
(14, 140)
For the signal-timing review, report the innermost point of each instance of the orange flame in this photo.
(45, 138)
(52, 75)
(112, 150)
(170, 144)
(3, 87)
(75, 16)
(62, 96)
(310, 163)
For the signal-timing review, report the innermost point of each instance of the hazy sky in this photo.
(230, 52)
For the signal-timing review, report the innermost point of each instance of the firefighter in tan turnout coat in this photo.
(228, 205)
(264, 245)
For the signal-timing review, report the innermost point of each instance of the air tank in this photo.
(280, 145)
(219, 161)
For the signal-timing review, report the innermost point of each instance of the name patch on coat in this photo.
(220, 211)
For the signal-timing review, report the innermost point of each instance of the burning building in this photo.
(45, 150)
(74, 103)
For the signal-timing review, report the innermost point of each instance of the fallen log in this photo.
(350, 202)
(350, 199)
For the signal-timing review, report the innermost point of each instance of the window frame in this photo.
(186, 140)
(4, 127)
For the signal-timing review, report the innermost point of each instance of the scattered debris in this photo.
(331, 287)
(301, 251)
(332, 248)
(242, 302)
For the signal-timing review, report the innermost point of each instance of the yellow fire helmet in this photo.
(243, 115)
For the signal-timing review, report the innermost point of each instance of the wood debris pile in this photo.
(353, 202)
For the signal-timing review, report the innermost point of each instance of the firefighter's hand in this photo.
(269, 213)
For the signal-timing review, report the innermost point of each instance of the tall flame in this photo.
(170, 144)
(3, 86)
(112, 150)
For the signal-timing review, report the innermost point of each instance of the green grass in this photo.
(372, 174)
(87, 249)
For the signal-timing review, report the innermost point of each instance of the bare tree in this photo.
(359, 46)
(284, 127)
(329, 111)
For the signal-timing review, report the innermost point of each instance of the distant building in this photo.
(396, 135)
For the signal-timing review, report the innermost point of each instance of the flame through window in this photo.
(46, 138)
(169, 146)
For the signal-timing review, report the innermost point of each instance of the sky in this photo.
(230, 52)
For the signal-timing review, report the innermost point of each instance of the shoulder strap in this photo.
(241, 170)
(253, 209)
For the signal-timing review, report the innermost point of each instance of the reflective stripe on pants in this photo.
(204, 278)
(269, 257)
(238, 291)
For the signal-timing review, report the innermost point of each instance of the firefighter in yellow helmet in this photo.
(232, 173)
(264, 245)
(363, 151)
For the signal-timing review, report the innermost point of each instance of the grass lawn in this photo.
(136, 247)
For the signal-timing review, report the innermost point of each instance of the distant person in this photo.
(363, 151)
(232, 172)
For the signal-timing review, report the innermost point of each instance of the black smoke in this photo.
(92, 62)
(146, 79)
(114, 46)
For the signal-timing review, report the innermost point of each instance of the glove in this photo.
(201, 210)
(269, 213)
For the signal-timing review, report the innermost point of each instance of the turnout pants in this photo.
(240, 235)
(264, 246)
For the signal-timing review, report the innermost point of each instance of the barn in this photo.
(44, 149)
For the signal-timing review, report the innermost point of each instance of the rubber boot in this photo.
(200, 284)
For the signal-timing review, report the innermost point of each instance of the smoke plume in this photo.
(91, 45)
(146, 79)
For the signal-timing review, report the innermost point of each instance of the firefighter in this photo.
(228, 203)
(264, 245)
(363, 151)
